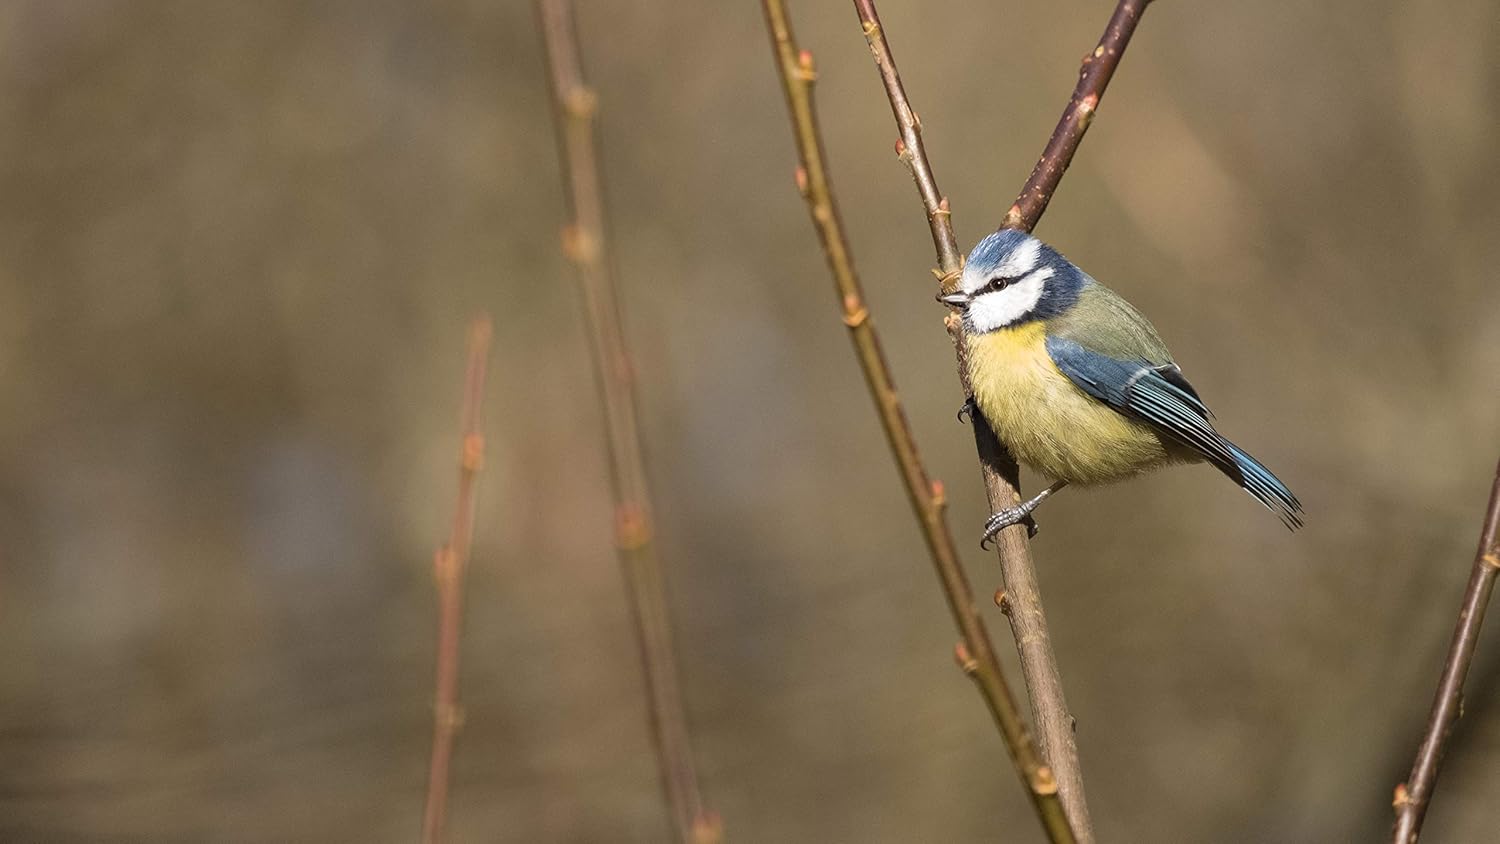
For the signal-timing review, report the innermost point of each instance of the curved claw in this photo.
(1004, 519)
(968, 409)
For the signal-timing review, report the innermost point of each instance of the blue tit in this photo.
(1078, 385)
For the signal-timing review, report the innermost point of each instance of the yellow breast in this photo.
(1046, 421)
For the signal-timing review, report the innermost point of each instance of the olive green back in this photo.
(1105, 323)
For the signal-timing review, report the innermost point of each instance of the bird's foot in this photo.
(1005, 518)
(1018, 514)
(969, 409)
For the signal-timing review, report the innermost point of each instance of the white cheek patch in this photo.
(1021, 260)
(990, 311)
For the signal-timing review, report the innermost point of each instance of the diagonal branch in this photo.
(1414, 795)
(448, 569)
(1098, 68)
(976, 653)
(584, 244)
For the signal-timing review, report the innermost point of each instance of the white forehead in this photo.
(984, 264)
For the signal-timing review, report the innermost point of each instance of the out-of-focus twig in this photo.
(1098, 68)
(1414, 795)
(448, 569)
(575, 104)
(976, 653)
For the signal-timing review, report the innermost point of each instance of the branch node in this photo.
(1402, 798)
(449, 716)
(1044, 782)
(902, 152)
(949, 280)
(472, 459)
(1002, 600)
(806, 69)
(939, 494)
(855, 313)
(966, 661)
(801, 177)
(708, 828)
(580, 102)
(1491, 559)
(632, 530)
(579, 246)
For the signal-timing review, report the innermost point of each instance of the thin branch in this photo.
(574, 105)
(1023, 605)
(448, 569)
(1414, 795)
(1098, 68)
(976, 653)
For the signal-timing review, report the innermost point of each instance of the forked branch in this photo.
(1022, 598)
(1414, 795)
(574, 105)
(448, 569)
(976, 652)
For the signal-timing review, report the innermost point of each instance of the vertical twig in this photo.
(976, 654)
(1414, 795)
(1022, 603)
(1022, 600)
(448, 569)
(574, 105)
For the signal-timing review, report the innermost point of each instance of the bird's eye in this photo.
(998, 283)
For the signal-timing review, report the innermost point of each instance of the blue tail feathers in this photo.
(1266, 487)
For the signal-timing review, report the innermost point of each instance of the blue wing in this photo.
(1161, 397)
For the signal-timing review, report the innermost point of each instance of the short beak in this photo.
(958, 299)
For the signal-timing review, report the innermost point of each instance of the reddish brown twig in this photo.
(583, 242)
(976, 654)
(448, 569)
(1098, 68)
(1414, 795)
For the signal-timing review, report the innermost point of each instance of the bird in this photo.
(1077, 383)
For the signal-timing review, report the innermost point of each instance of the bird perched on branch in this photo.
(1078, 385)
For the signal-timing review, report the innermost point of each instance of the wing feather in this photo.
(1161, 397)
(1138, 389)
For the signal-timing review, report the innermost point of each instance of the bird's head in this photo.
(1012, 278)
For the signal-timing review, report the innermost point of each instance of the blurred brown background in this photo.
(241, 241)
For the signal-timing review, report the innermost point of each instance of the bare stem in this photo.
(575, 104)
(976, 654)
(1414, 795)
(1098, 68)
(448, 569)
(1054, 722)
